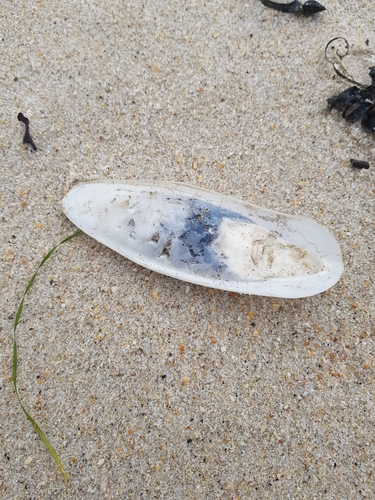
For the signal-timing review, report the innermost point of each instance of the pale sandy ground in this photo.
(262, 398)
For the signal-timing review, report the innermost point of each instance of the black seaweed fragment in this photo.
(27, 137)
(369, 121)
(359, 164)
(312, 7)
(357, 103)
(309, 8)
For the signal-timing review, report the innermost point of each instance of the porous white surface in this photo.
(148, 387)
(252, 251)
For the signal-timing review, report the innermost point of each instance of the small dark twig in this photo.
(359, 163)
(27, 137)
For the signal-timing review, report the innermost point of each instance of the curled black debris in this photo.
(359, 164)
(357, 103)
(335, 51)
(27, 137)
(308, 8)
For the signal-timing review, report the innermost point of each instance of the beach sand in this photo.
(149, 387)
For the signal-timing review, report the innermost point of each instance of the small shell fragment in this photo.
(207, 238)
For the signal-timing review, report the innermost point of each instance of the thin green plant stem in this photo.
(15, 357)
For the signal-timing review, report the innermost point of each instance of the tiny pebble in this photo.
(101, 461)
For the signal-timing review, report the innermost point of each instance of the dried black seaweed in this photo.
(309, 8)
(357, 103)
(27, 137)
(312, 7)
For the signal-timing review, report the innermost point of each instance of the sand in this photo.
(148, 387)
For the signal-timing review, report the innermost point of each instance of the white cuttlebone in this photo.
(275, 255)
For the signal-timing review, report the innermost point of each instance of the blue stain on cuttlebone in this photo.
(187, 240)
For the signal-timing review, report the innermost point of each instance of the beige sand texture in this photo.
(148, 387)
